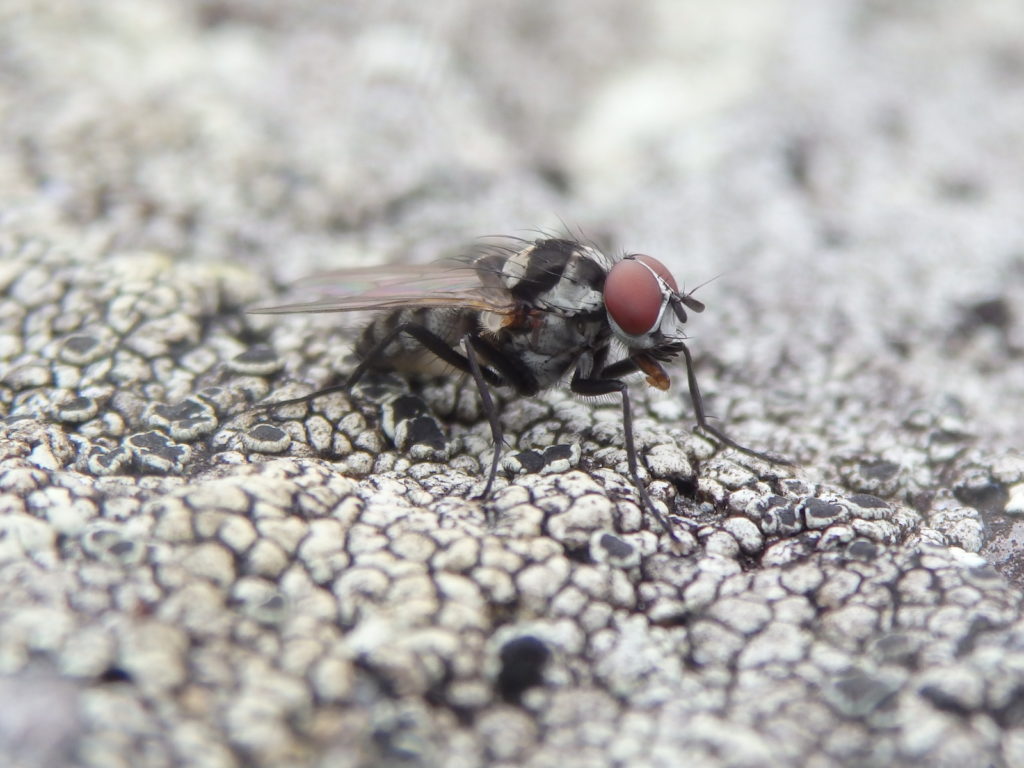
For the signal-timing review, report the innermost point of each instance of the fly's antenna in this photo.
(692, 291)
(686, 297)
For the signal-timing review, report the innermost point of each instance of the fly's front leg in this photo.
(606, 386)
(702, 419)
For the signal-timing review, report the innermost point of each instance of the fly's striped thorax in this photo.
(559, 276)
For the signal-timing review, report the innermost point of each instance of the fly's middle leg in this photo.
(487, 402)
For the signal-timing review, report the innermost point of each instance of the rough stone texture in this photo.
(186, 581)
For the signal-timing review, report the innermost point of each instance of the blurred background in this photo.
(849, 171)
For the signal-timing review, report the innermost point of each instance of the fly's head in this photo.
(645, 308)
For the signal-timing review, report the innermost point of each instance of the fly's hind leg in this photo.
(483, 375)
(430, 341)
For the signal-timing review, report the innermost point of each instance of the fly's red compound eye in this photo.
(633, 296)
(659, 269)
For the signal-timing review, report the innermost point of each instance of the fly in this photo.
(525, 317)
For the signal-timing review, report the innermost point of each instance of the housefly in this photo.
(526, 316)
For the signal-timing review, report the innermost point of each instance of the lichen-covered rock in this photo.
(191, 575)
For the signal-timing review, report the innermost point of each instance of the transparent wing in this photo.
(444, 284)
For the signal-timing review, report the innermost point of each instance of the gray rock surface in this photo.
(186, 582)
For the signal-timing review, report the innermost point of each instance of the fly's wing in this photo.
(399, 287)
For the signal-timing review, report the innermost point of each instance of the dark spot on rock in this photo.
(858, 694)
(522, 666)
(114, 674)
(185, 420)
(897, 648)
(78, 402)
(259, 360)
(555, 176)
(616, 547)
(984, 495)
(959, 188)
(407, 406)
(266, 438)
(879, 469)
(797, 157)
(867, 501)
(424, 430)
(529, 461)
(995, 313)
(787, 517)
(686, 486)
(81, 344)
(579, 554)
(557, 452)
(267, 432)
(820, 509)
(81, 349)
(833, 236)
(947, 437)
(77, 410)
(123, 547)
(862, 549)
(103, 462)
(186, 409)
(155, 442)
(944, 700)
(157, 452)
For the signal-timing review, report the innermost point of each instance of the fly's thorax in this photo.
(547, 345)
(559, 276)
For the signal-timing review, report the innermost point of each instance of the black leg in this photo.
(430, 340)
(515, 374)
(303, 399)
(702, 419)
(605, 387)
(619, 369)
(468, 343)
